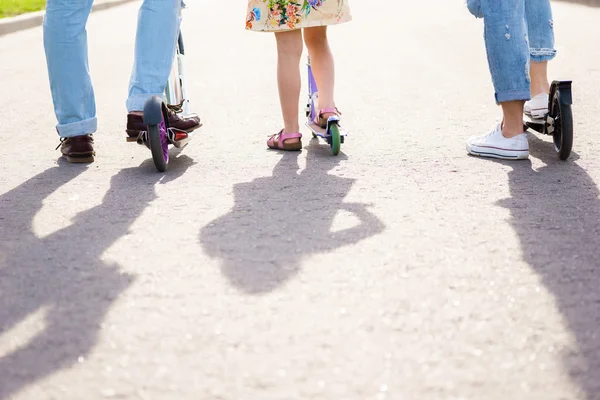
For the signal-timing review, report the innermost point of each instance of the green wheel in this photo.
(336, 139)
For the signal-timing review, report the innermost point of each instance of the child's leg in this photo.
(289, 53)
(540, 28)
(322, 64)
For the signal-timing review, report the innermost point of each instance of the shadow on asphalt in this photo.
(63, 273)
(556, 215)
(589, 3)
(278, 220)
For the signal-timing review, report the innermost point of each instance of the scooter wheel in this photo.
(336, 140)
(159, 145)
(563, 128)
(155, 119)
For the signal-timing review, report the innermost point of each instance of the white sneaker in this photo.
(495, 145)
(537, 108)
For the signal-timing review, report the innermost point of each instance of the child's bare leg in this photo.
(322, 64)
(539, 78)
(289, 53)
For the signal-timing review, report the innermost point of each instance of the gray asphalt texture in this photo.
(402, 269)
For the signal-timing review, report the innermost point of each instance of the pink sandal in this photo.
(278, 141)
(322, 122)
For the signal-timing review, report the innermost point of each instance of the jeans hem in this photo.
(542, 55)
(513, 95)
(79, 128)
(136, 102)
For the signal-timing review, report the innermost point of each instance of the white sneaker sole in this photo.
(495, 152)
(537, 114)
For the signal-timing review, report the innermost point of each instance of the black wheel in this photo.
(563, 127)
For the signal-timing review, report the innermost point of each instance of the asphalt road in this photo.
(402, 269)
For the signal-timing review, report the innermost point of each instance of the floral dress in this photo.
(282, 15)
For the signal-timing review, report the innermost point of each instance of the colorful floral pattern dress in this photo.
(282, 15)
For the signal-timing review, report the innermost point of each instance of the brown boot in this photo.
(135, 123)
(78, 149)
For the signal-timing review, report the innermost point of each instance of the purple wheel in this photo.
(159, 144)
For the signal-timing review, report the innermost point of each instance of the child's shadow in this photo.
(277, 221)
(63, 274)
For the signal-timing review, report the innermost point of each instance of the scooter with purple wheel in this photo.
(160, 135)
(332, 133)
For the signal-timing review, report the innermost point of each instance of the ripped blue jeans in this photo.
(516, 31)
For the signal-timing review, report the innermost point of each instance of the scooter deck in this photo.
(535, 121)
(177, 138)
(322, 132)
(537, 124)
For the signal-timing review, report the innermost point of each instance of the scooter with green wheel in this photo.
(332, 133)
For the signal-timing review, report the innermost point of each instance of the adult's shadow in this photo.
(278, 220)
(556, 215)
(63, 274)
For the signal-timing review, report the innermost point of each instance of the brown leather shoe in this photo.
(78, 149)
(135, 123)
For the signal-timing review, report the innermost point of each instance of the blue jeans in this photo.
(65, 43)
(516, 31)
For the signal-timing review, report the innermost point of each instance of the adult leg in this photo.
(508, 59)
(65, 44)
(156, 38)
(540, 28)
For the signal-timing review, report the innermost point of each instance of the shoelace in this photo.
(176, 108)
(491, 133)
(62, 140)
